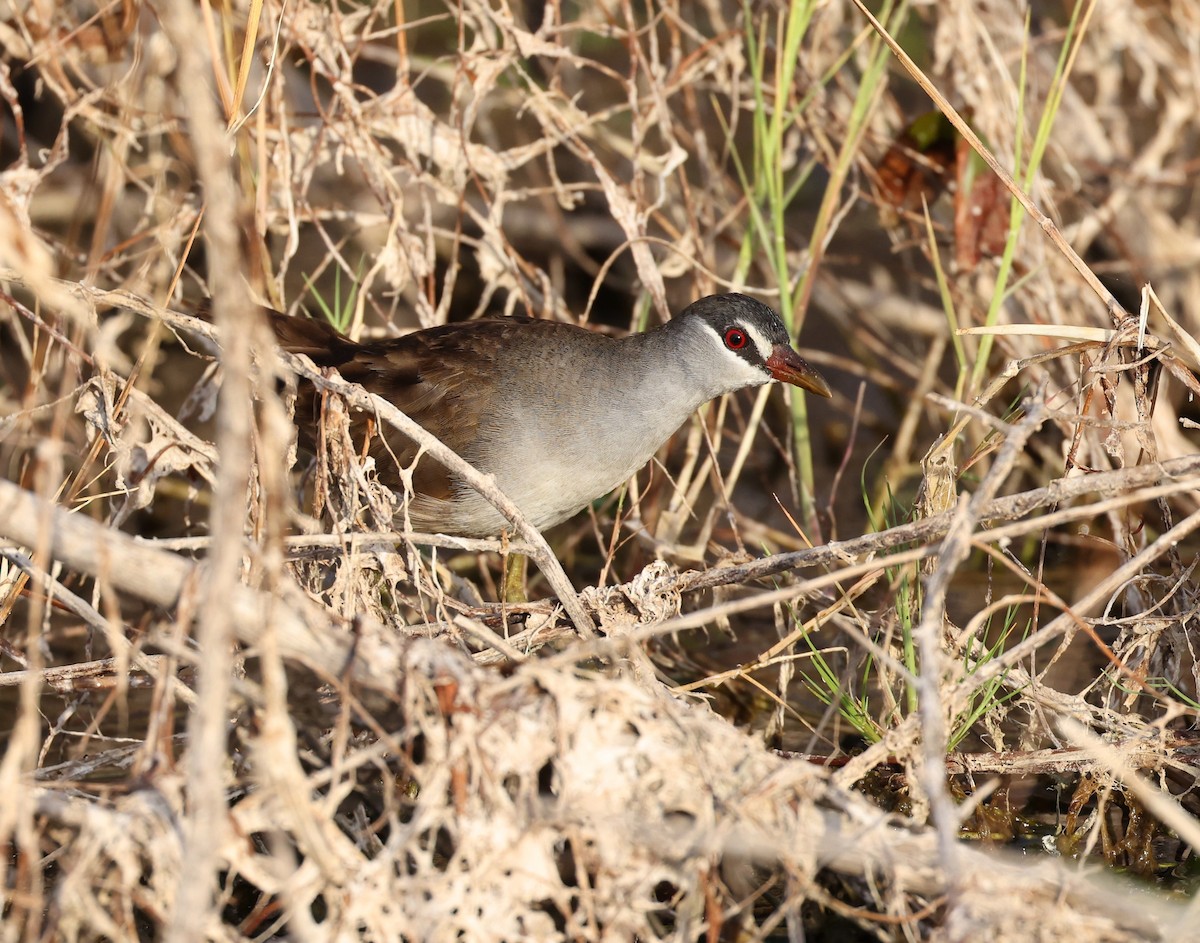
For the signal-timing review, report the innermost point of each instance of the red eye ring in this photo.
(735, 338)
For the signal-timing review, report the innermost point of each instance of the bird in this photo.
(559, 414)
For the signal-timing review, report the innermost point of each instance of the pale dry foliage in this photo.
(305, 733)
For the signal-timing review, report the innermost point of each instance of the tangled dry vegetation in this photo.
(236, 706)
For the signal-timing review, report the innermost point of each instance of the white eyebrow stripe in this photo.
(761, 341)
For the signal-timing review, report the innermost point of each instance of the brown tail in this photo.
(319, 340)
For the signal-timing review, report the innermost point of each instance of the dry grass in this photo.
(235, 708)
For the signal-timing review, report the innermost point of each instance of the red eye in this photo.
(735, 338)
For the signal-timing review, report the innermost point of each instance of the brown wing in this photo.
(433, 376)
